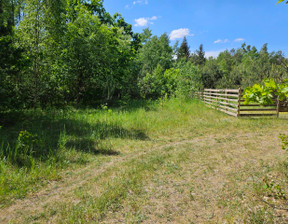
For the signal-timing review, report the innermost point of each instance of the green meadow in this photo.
(160, 161)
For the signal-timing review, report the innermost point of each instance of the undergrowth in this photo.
(36, 145)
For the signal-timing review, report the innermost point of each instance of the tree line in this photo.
(73, 52)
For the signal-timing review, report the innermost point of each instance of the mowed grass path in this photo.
(175, 162)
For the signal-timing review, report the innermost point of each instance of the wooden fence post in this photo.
(217, 100)
(226, 97)
(239, 102)
(278, 107)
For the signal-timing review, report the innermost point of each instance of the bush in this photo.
(264, 94)
(284, 140)
(181, 81)
(152, 85)
(189, 80)
(24, 152)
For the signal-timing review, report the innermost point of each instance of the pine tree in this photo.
(198, 58)
(184, 51)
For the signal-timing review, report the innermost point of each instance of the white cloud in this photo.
(213, 54)
(141, 22)
(219, 41)
(153, 18)
(145, 21)
(180, 33)
(137, 2)
(239, 40)
(142, 2)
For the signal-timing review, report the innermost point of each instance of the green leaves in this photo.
(284, 140)
(264, 94)
(156, 51)
(280, 1)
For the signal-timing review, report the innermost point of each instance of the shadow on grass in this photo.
(81, 135)
(133, 105)
(90, 146)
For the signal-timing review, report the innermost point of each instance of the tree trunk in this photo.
(36, 59)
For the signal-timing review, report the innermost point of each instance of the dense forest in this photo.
(65, 52)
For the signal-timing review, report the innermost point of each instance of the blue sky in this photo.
(217, 24)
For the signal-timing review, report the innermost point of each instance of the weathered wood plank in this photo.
(218, 105)
(257, 115)
(220, 98)
(225, 109)
(226, 112)
(222, 90)
(211, 100)
(257, 105)
(228, 104)
(228, 108)
(220, 94)
(258, 109)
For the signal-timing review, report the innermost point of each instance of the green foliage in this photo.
(259, 216)
(243, 67)
(152, 85)
(171, 81)
(274, 189)
(189, 80)
(282, 1)
(156, 51)
(27, 141)
(182, 81)
(211, 74)
(264, 94)
(284, 140)
(66, 52)
(184, 51)
(23, 153)
(198, 58)
(11, 58)
(25, 149)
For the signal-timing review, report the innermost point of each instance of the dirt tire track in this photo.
(57, 190)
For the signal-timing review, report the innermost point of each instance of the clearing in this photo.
(171, 162)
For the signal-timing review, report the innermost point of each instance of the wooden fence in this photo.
(230, 101)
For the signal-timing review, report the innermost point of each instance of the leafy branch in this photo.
(280, 1)
(264, 94)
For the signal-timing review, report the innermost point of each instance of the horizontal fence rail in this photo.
(224, 100)
(231, 102)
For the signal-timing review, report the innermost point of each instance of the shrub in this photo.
(181, 81)
(264, 94)
(284, 140)
(189, 79)
(25, 149)
(152, 85)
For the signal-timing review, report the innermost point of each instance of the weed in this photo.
(284, 140)
(259, 216)
(274, 189)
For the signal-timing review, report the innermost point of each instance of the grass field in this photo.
(169, 161)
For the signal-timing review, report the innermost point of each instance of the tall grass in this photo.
(35, 146)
